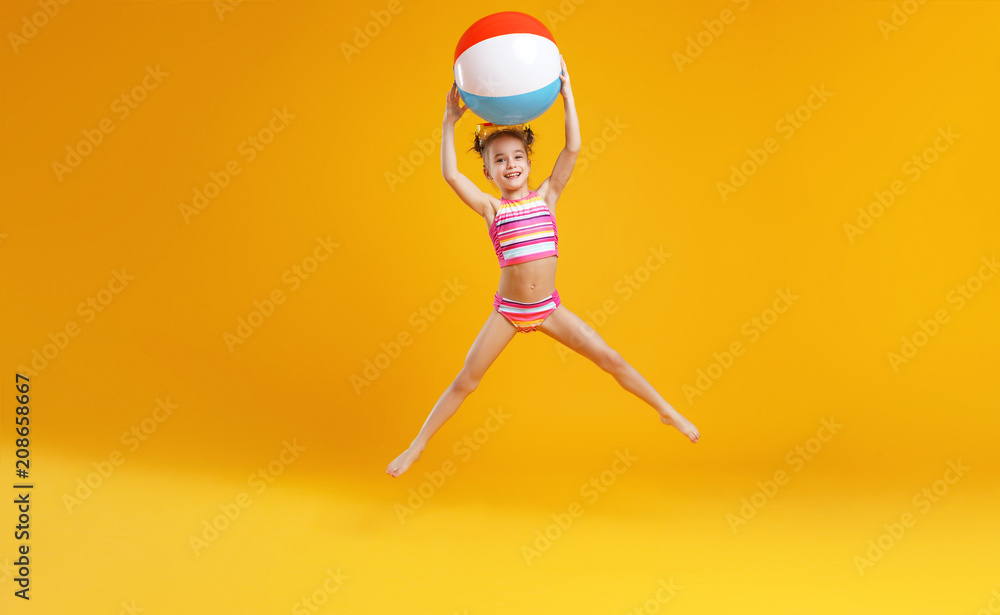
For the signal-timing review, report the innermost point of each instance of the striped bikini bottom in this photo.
(526, 316)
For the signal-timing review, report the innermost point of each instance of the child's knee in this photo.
(465, 382)
(612, 362)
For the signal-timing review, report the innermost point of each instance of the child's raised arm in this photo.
(567, 157)
(462, 185)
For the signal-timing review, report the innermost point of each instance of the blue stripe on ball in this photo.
(518, 109)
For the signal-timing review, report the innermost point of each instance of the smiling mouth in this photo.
(513, 175)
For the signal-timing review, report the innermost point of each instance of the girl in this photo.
(523, 228)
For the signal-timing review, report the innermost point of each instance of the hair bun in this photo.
(522, 133)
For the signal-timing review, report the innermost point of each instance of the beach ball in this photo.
(507, 68)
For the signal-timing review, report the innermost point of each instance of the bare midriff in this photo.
(528, 282)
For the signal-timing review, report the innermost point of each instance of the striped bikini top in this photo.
(524, 230)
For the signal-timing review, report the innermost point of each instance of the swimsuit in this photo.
(524, 230)
(526, 316)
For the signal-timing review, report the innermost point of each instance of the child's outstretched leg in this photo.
(492, 339)
(570, 330)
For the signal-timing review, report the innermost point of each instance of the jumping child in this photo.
(522, 226)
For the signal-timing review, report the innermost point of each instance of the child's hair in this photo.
(525, 136)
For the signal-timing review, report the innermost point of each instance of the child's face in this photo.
(508, 164)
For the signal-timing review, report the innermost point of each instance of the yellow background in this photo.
(328, 174)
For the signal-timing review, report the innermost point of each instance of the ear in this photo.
(487, 174)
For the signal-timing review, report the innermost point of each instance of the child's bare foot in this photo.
(403, 462)
(676, 419)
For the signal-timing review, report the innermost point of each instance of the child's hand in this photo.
(564, 76)
(453, 109)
